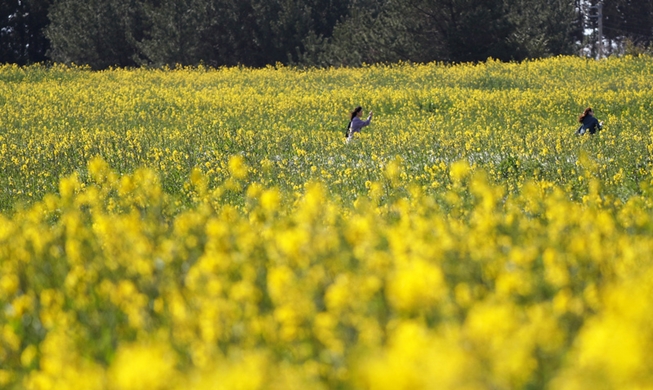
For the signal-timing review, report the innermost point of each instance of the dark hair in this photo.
(355, 112)
(585, 113)
(351, 118)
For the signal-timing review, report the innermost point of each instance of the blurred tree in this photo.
(308, 32)
(99, 33)
(232, 32)
(22, 24)
(420, 31)
(470, 30)
(628, 21)
(542, 28)
(373, 31)
(174, 32)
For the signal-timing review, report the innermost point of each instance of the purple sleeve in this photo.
(358, 123)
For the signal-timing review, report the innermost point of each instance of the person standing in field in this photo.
(588, 122)
(356, 123)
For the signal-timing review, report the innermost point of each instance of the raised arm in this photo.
(357, 123)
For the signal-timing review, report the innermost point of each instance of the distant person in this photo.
(356, 123)
(588, 122)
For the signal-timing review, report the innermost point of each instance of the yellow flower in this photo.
(237, 167)
(416, 285)
(68, 186)
(459, 170)
(143, 366)
(270, 199)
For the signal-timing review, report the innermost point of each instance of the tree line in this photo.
(125, 33)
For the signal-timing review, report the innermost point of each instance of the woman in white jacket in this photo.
(356, 123)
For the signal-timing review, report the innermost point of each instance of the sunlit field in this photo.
(211, 229)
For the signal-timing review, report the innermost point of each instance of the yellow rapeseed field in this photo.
(200, 228)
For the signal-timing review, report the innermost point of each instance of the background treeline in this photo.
(103, 33)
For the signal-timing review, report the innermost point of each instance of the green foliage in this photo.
(541, 29)
(308, 33)
(96, 32)
(628, 23)
(453, 31)
(21, 24)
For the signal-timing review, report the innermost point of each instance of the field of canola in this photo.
(210, 229)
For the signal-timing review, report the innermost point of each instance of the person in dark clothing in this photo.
(588, 122)
(356, 123)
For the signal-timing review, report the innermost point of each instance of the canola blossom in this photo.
(197, 228)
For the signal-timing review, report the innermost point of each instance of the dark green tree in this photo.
(465, 30)
(542, 28)
(232, 32)
(448, 30)
(420, 31)
(22, 24)
(373, 31)
(627, 20)
(174, 31)
(98, 33)
(309, 32)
